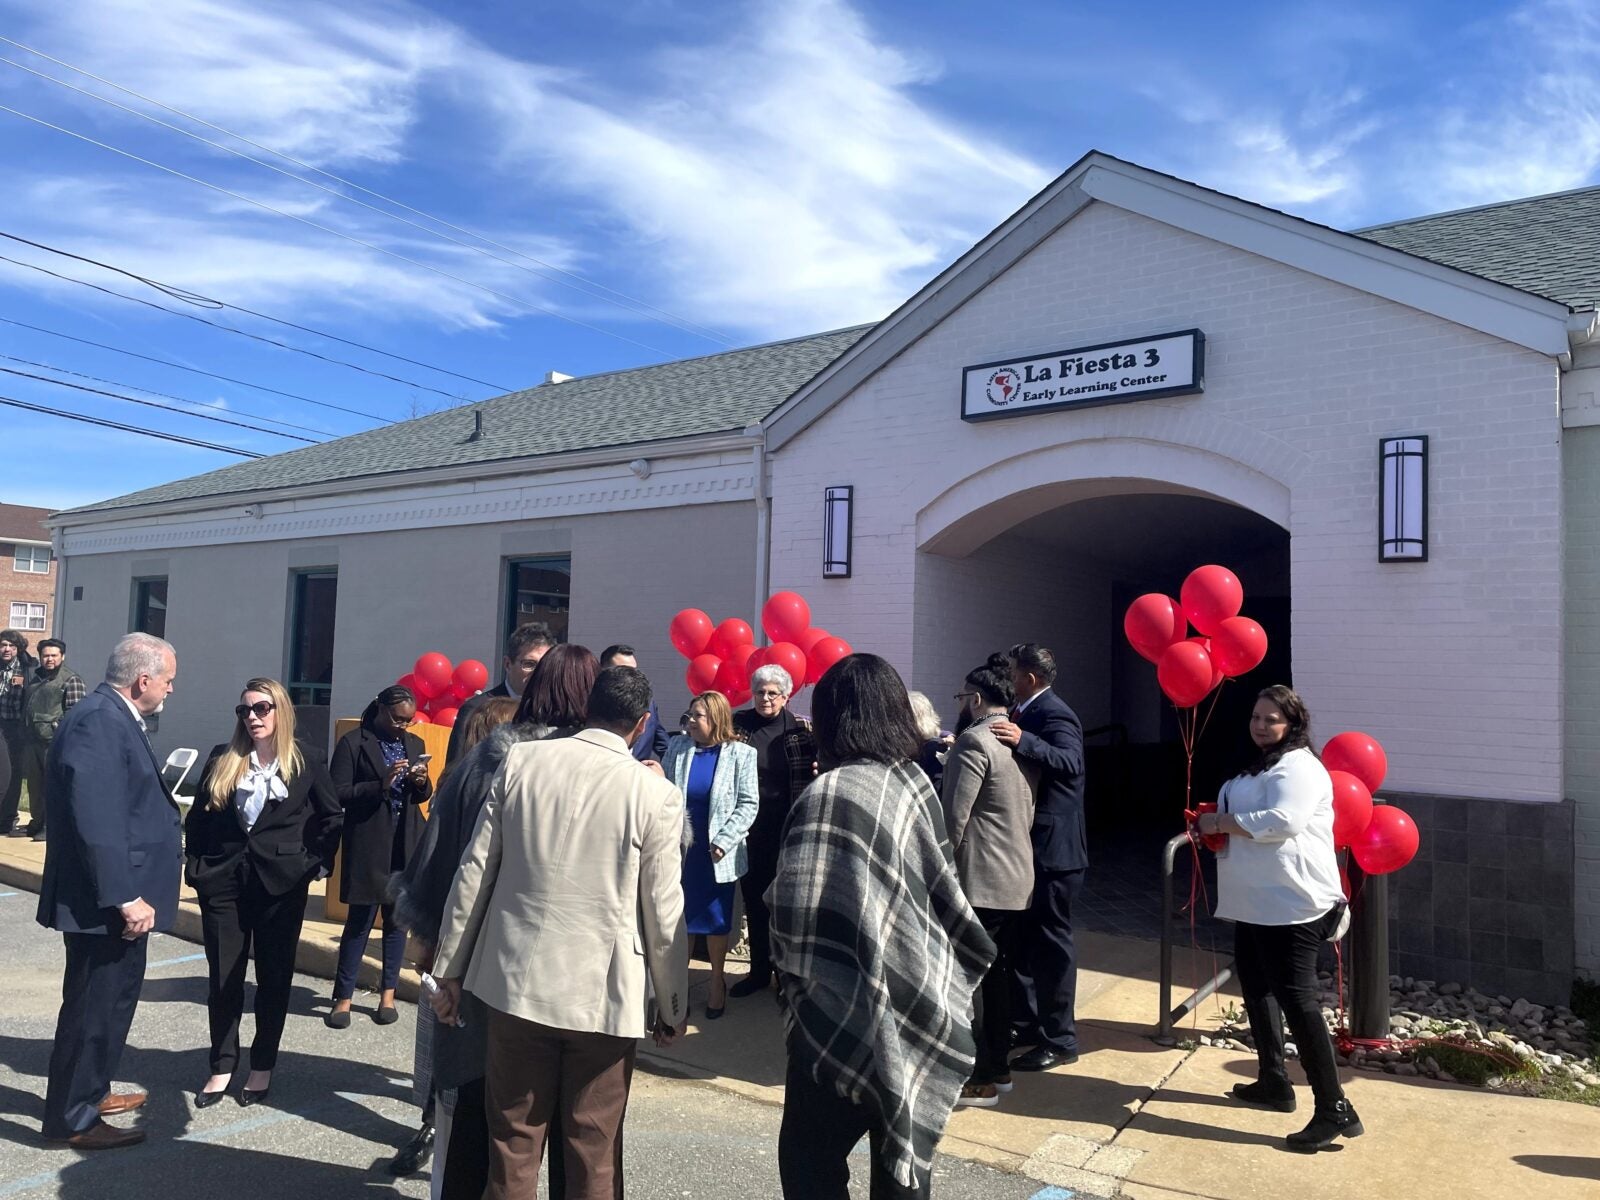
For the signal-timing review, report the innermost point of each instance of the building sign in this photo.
(1170, 364)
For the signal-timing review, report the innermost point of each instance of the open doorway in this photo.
(1064, 577)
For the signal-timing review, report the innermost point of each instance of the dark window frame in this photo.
(138, 620)
(510, 610)
(308, 691)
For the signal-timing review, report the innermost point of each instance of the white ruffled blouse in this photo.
(258, 786)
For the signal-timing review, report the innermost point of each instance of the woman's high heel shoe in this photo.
(247, 1097)
(207, 1099)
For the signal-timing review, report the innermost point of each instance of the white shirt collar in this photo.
(1024, 705)
(137, 715)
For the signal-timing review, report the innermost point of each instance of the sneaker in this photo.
(1003, 1084)
(978, 1095)
(1278, 1097)
(1329, 1125)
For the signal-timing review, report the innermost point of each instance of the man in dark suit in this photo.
(651, 745)
(524, 648)
(111, 872)
(1048, 738)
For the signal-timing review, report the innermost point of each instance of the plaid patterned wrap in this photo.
(879, 953)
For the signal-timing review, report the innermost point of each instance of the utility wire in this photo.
(245, 333)
(151, 404)
(134, 387)
(202, 301)
(178, 366)
(118, 425)
(620, 299)
(395, 254)
(637, 305)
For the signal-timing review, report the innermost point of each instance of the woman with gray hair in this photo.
(935, 742)
(786, 756)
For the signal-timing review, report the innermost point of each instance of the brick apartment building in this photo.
(27, 572)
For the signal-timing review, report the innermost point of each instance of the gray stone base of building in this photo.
(1488, 901)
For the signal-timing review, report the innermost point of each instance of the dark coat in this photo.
(114, 827)
(653, 741)
(358, 773)
(465, 711)
(292, 841)
(1052, 742)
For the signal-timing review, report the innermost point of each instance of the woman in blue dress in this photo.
(717, 776)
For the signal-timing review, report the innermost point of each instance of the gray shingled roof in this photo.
(1547, 245)
(714, 394)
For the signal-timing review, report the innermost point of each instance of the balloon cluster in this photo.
(722, 657)
(1381, 838)
(1190, 668)
(440, 687)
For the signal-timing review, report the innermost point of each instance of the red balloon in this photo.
(791, 658)
(409, 682)
(702, 673)
(1185, 673)
(785, 617)
(729, 635)
(690, 630)
(1352, 808)
(1238, 646)
(1388, 843)
(1153, 622)
(730, 678)
(757, 660)
(470, 674)
(1216, 672)
(739, 698)
(1360, 755)
(823, 655)
(810, 638)
(423, 689)
(1210, 596)
(433, 672)
(446, 716)
(463, 691)
(421, 718)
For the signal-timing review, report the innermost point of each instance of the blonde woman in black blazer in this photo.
(264, 823)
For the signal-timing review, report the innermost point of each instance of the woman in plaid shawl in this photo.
(875, 946)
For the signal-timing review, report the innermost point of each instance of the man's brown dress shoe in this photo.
(124, 1102)
(100, 1136)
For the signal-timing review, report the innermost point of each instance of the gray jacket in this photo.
(735, 797)
(988, 810)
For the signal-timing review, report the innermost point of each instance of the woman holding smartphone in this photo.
(381, 775)
(264, 823)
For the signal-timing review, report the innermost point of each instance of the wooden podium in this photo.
(435, 739)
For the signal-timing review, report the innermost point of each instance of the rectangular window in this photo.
(313, 597)
(538, 589)
(27, 616)
(32, 560)
(150, 606)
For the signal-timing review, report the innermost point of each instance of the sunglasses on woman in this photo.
(261, 708)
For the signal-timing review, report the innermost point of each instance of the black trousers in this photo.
(99, 993)
(34, 755)
(1277, 967)
(1045, 965)
(11, 798)
(820, 1128)
(991, 1003)
(231, 922)
(753, 885)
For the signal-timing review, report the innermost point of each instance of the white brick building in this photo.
(1476, 668)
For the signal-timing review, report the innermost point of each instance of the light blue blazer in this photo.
(734, 799)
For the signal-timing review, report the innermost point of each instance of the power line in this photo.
(636, 305)
(612, 296)
(134, 429)
(151, 404)
(395, 254)
(134, 387)
(245, 333)
(178, 366)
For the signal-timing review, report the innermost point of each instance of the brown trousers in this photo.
(537, 1072)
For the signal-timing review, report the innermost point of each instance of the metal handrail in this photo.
(1170, 1016)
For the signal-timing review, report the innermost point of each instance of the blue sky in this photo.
(737, 171)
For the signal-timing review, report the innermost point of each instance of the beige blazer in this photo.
(571, 891)
(988, 813)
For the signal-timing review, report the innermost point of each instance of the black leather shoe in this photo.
(1327, 1127)
(751, 985)
(207, 1099)
(1278, 1097)
(337, 1020)
(1042, 1058)
(414, 1155)
(247, 1097)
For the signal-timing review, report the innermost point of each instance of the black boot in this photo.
(414, 1155)
(1326, 1127)
(1277, 1096)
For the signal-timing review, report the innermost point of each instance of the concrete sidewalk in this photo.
(1135, 1119)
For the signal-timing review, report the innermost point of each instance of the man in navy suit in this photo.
(1048, 739)
(651, 745)
(111, 872)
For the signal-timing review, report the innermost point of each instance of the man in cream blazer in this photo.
(569, 895)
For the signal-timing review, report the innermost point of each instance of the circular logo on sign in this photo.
(1003, 387)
